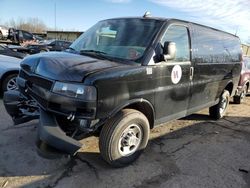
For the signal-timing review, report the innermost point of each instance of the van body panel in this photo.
(109, 68)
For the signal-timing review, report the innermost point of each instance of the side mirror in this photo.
(169, 50)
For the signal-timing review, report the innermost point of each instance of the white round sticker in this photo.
(176, 74)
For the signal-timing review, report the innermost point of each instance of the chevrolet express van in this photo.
(120, 79)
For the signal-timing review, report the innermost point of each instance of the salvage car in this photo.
(4, 50)
(244, 83)
(4, 32)
(49, 45)
(9, 68)
(123, 77)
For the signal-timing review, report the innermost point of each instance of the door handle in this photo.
(191, 73)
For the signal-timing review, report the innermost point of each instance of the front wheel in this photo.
(9, 83)
(124, 137)
(219, 110)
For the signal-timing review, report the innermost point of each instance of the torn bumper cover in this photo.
(52, 142)
(55, 140)
(19, 107)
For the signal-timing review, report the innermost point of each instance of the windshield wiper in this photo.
(96, 54)
(92, 51)
(70, 49)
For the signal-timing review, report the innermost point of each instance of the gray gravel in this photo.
(191, 152)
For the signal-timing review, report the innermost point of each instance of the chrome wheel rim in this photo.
(243, 94)
(223, 105)
(11, 84)
(130, 140)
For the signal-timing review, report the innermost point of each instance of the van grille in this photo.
(35, 79)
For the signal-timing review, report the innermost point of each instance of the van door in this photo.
(214, 56)
(173, 77)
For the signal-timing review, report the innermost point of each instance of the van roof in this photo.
(173, 19)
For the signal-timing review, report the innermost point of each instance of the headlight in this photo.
(75, 90)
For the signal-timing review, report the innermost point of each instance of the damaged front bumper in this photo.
(51, 139)
(19, 107)
(55, 140)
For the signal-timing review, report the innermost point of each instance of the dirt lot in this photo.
(192, 152)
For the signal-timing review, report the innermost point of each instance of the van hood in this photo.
(64, 66)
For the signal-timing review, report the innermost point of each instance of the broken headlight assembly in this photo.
(75, 90)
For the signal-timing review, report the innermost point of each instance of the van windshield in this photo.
(118, 38)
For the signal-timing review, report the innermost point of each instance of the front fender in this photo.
(141, 105)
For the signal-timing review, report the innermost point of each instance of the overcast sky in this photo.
(230, 15)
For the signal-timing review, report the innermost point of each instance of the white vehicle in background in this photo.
(9, 68)
(4, 32)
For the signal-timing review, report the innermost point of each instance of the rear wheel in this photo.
(9, 83)
(239, 99)
(124, 137)
(219, 110)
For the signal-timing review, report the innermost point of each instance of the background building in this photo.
(63, 35)
(246, 49)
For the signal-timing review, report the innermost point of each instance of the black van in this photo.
(120, 79)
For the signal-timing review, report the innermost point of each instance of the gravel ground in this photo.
(191, 152)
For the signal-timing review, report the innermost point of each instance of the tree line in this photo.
(34, 25)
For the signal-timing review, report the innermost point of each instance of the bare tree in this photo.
(31, 24)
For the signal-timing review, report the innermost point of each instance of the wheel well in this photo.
(7, 74)
(229, 87)
(146, 109)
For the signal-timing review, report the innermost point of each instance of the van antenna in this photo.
(147, 14)
(236, 31)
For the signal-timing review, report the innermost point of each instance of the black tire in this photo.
(239, 99)
(9, 80)
(219, 110)
(116, 132)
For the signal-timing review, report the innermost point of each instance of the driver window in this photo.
(179, 35)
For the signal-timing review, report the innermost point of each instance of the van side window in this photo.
(179, 35)
(211, 46)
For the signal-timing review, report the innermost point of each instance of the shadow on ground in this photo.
(193, 151)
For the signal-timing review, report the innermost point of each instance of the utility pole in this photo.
(55, 19)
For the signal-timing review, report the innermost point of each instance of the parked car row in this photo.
(5, 50)
(27, 43)
(48, 45)
(22, 51)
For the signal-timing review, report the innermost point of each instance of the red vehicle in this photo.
(244, 83)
